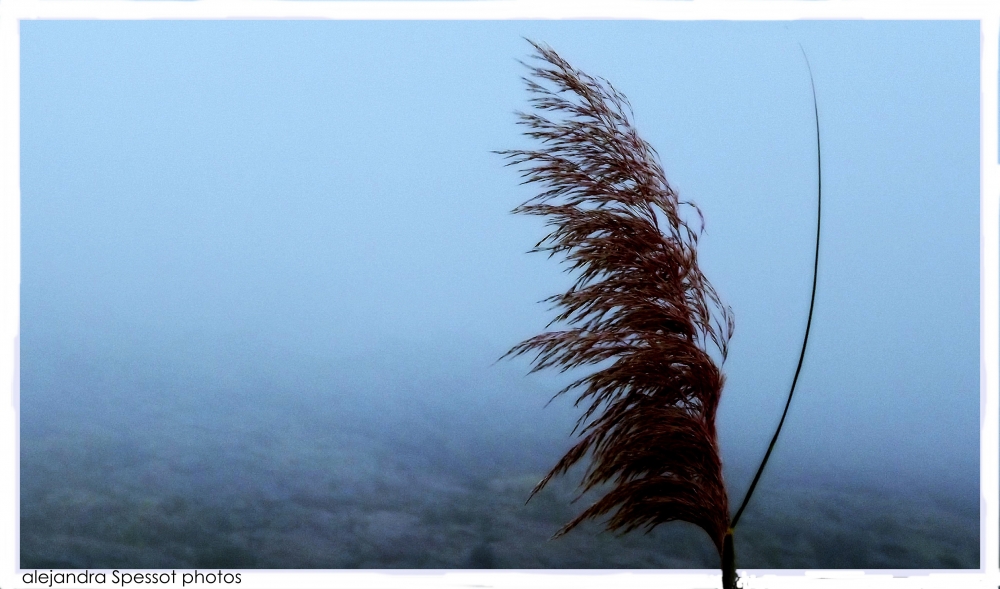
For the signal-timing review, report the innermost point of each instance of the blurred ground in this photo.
(309, 499)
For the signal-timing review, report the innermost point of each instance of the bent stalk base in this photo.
(728, 562)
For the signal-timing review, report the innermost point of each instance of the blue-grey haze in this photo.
(242, 234)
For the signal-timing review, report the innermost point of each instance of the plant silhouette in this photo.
(640, 310)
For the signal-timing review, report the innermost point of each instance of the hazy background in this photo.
(267, 268)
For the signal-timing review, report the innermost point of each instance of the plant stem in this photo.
(728, 562)
(812, 300)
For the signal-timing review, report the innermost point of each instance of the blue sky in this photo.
(328, 189)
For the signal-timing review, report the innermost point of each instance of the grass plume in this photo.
(640, 309)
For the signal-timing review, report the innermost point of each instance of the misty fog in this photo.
(269, 270)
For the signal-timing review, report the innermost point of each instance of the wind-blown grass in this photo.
(640, 307)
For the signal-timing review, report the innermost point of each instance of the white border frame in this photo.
(12, 12)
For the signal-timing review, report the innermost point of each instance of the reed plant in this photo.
(640, 312)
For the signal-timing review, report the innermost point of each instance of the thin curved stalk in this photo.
(812, 300)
